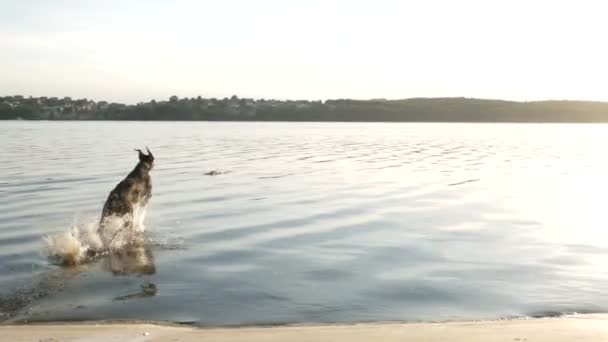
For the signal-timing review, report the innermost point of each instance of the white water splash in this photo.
(83, 240)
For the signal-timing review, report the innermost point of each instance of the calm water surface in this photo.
(313, 222)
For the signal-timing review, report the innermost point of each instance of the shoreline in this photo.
(580, 327)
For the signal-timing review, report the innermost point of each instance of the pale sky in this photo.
(130, 51)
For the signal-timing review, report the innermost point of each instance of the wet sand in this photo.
(561, 329)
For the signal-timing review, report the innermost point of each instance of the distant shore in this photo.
(593, 327)
(340, 110)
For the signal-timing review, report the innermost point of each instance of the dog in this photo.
(127, 201)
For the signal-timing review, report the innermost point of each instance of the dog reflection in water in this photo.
(134, 258)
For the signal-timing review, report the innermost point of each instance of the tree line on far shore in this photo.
(246, 109)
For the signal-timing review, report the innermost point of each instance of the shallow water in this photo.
(270, 223)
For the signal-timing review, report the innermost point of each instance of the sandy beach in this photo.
(570, 328)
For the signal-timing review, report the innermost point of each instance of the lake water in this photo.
(313, 222)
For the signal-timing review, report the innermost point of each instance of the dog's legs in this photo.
(127, 228)
(139, 214)
(112, 229)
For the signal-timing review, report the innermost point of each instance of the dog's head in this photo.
(147, 159)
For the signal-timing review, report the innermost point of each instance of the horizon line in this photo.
(167, 98)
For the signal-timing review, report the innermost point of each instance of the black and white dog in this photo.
(127, 202)
(120, 229)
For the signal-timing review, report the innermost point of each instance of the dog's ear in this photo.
(142, 156)
(150, 153)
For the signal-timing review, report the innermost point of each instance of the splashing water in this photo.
(84, 241)
(121, 242)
